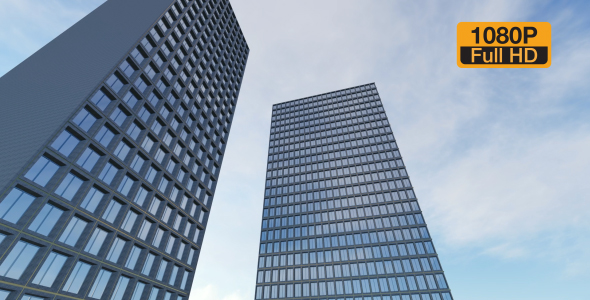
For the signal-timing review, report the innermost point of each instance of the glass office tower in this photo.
(112, 140)
(340, 219)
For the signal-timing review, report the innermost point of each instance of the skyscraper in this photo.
(112, 139)
(340, 218)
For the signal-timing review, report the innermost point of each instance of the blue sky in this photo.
(499, 157)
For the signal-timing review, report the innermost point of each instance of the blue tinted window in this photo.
(154, 293)
(18, 260)
(120, 288)
(84, 120)
(88, 159)
(4, 294)
(154, 99)
(151, 174)
(15, 204)
(144, 114)
(141, 196)
(122, 150)
(134, 131)
(139, 57)
(147, 265)
(127, 68)
(119, 116)
(130, 99)
(125, 185)
(101, 100)
(115, 83)
(46, 219)
(129, 221)
(100, 284)
(105, 136)
(115, 251)
(163, 184)
(50, 269)
(30, 297)
(141, 84)
(69, 186)
(144, 230)
(42, 171)
(110, 214)
(73, 231)
(65, 143)
(173, 275)
(77, 277)
(147, 143)
(92, 199)
(133, 256)
(137, 163)
(162, 269)
(108, 173)
(96, 240)
(158, 237)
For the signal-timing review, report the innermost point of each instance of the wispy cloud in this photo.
(498, 157)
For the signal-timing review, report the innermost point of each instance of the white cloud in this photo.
(497, 173)
(498, 157)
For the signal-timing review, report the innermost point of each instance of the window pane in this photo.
(4, 294)
(133, 131)
(138, 291)
(120, 288)
(130, 99)
(101, 100)
(88, 159)
(96, 241)
(137, 163)
(100, 283)
(105, 136)
(112, 211)
(108, 173)
(147, 265)
(162, 269)
(141, 196)
(29, 297)
(18, 260)
(126, 185)
(115, 83)
(184, 280)
(84, 120)
(65, 143)
(92, 199)
(69, 186)
(154, 293)
(129, 221)
(173, 275)
(77, 277)
(72, 233)
(158, 237)
(116, 250)
(46, 219)
(42, 171)
(119, 116)
(14, 205)
(50, 269)
(133, 256)
(122, 150)
(144, 230)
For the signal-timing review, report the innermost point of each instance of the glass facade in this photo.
(116, 203)
(340, 218)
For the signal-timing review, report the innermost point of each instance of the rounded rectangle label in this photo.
(504, 44)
